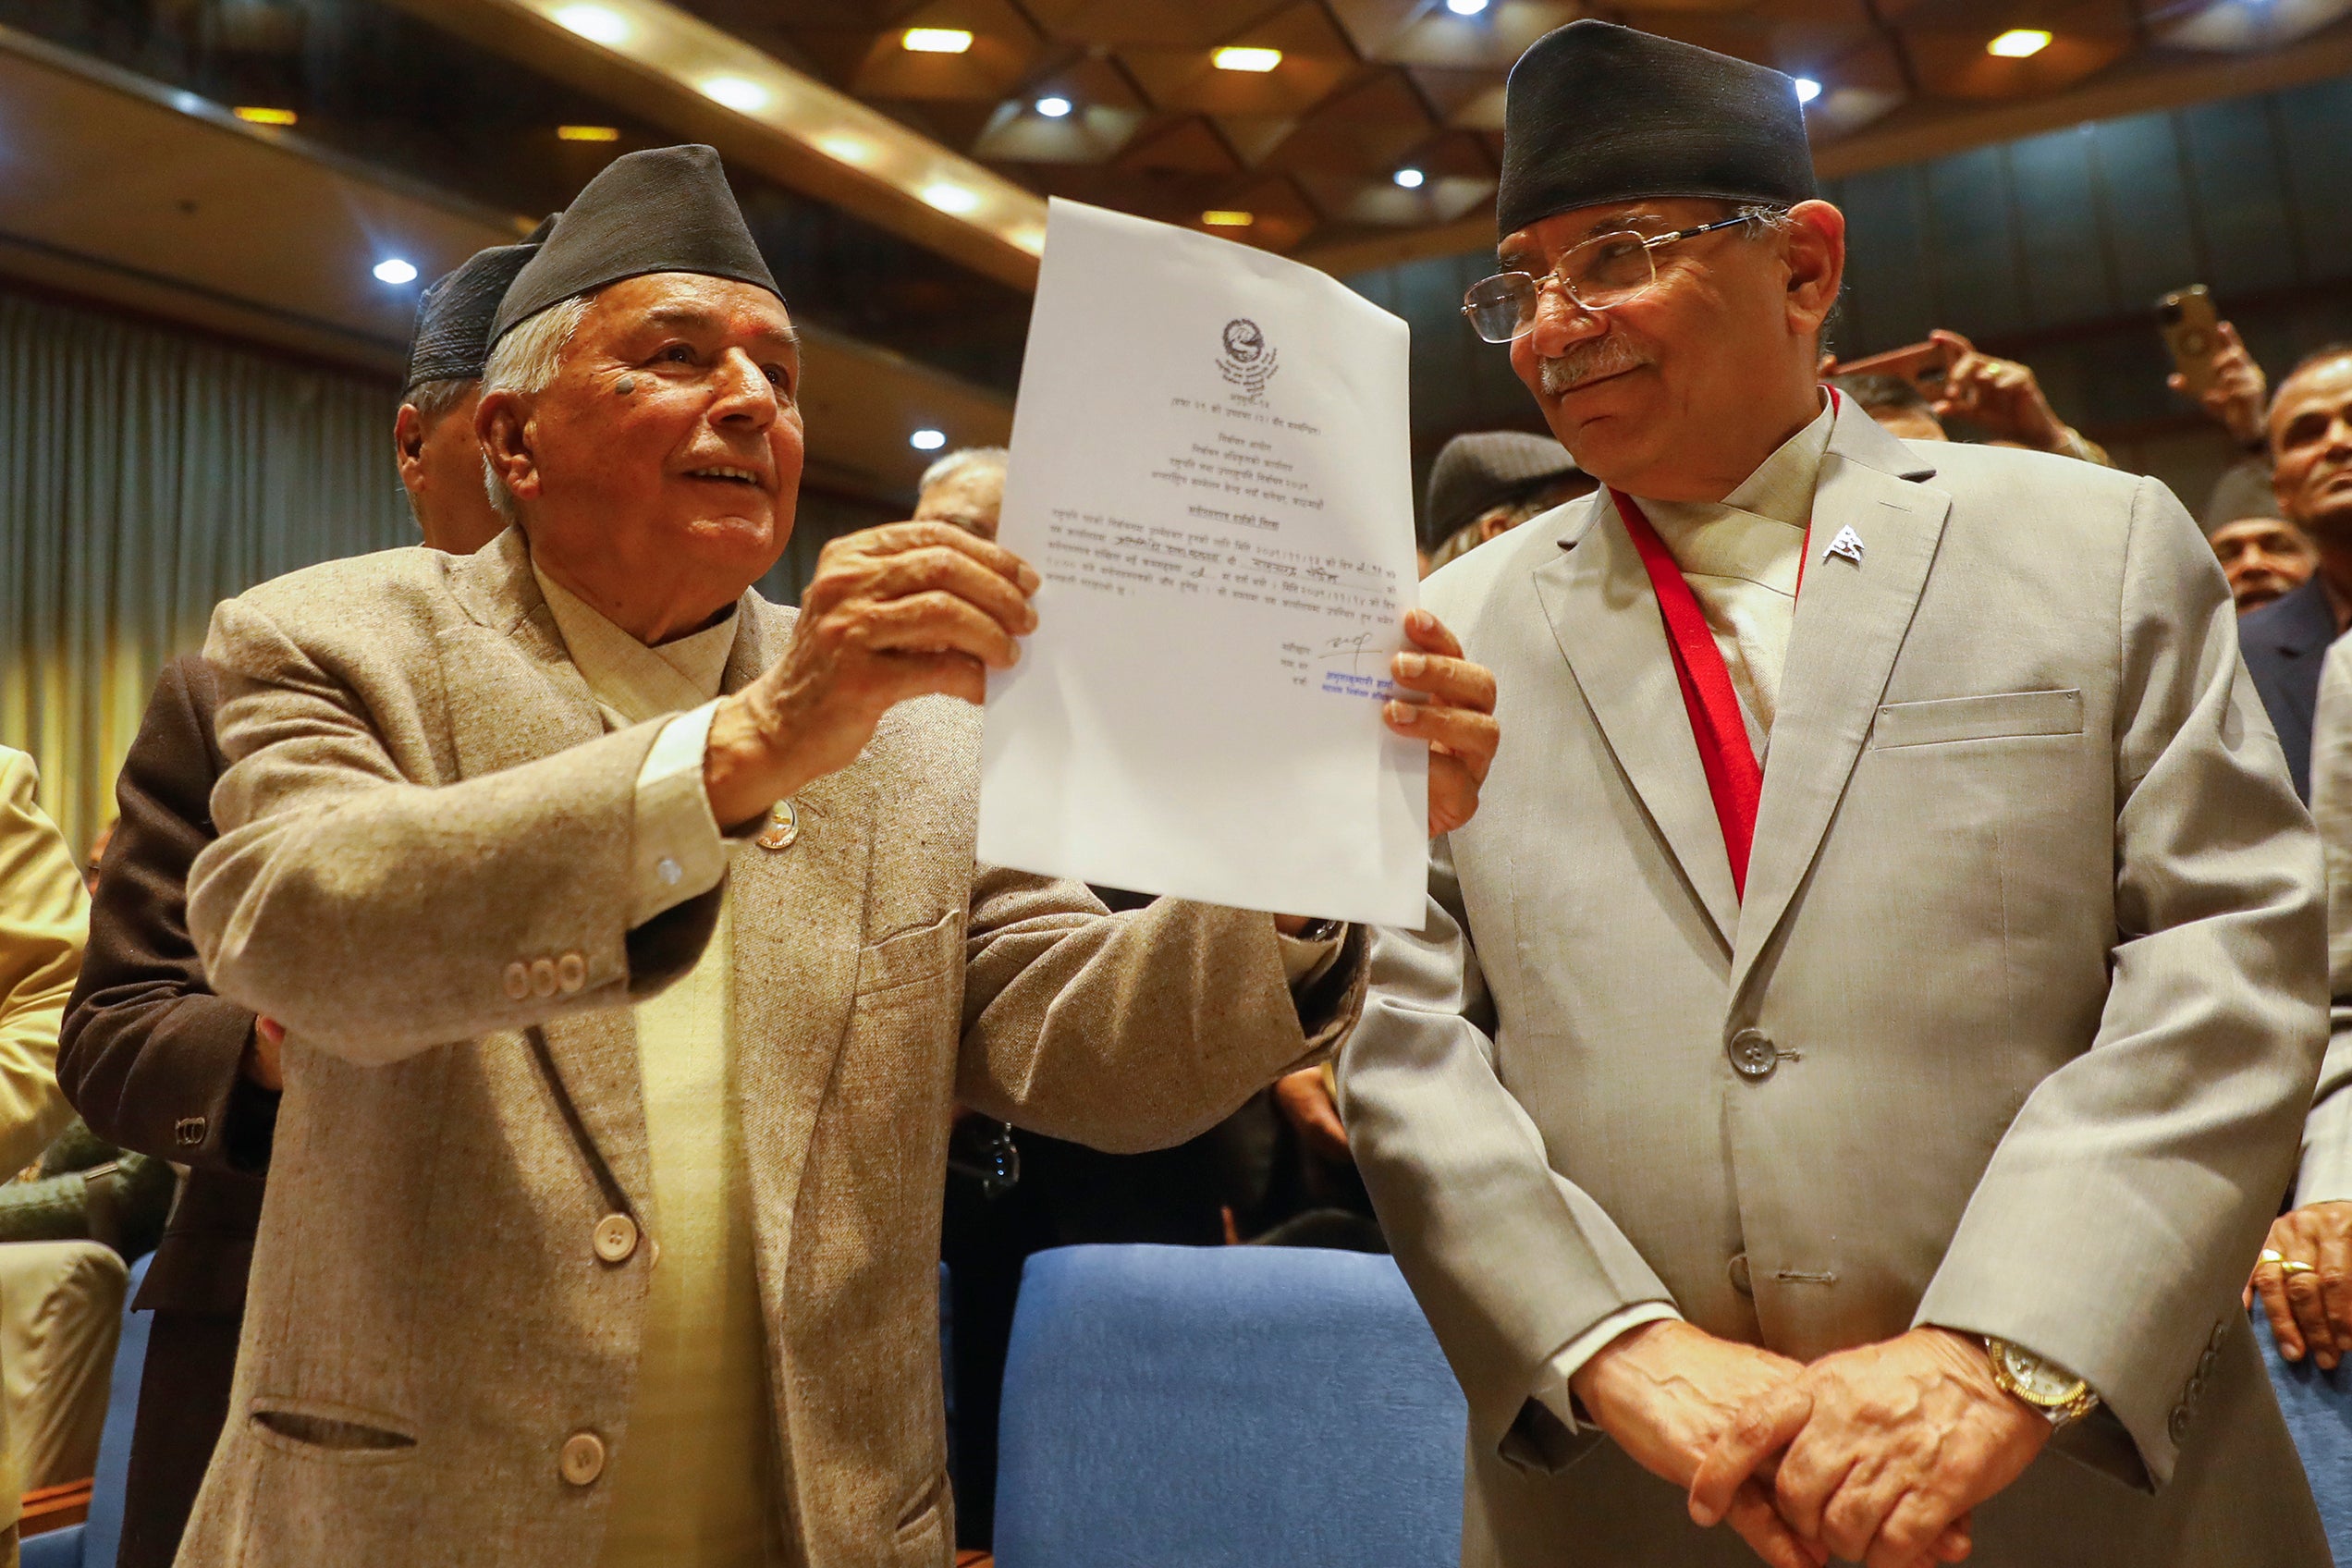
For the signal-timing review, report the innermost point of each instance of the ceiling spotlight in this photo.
(1807, 90)
(744, 96)
(1053, 108)
(927, 440)
(1465, 7)
(1409, 179)
(597, 24)
(956, 199)
(264, 116)
(1234, 59)
(936, 40)
(395, 270)
(2019, 42)
(1220, 218)
(587, 133)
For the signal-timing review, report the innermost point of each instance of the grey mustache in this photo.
(1585, 361)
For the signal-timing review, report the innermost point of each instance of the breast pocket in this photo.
(911, 960)
(1998, 716)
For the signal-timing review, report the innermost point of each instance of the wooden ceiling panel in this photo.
(1173, 24)
(1190, 145)
(1018, 134)
(1003, 51)
(1364, 130)
(1489, 42)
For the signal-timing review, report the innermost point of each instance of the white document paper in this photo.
(1211, 470)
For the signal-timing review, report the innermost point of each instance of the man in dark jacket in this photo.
(2284, 641)
(149, 1056)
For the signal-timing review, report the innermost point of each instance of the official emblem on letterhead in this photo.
(1249, 360)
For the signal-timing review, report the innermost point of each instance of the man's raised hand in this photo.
(1457, 720)
(1883, 1450)
(908, 609)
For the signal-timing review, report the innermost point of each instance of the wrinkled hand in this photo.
(262, 1061)
(1457, 720)
(905, 610)
(1667, 1392)
(1999, 395)
(2238, 395)
(1305, 1099)
(1884, 1449)
(2309, 1309)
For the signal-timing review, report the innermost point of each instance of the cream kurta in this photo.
(690, 1484)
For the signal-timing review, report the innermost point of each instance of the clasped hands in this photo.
(913, 610)
(1874, 1454)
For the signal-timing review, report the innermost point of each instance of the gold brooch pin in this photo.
(783, 829)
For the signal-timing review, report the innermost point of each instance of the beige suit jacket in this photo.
(422, 794)
(2012, 1033)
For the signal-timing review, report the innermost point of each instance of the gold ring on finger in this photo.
(2296, 1266)
(2272, 1255)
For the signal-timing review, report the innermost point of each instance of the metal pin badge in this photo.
(1847, 544)
(783, 829)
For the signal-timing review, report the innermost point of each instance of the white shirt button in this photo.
(669, 870)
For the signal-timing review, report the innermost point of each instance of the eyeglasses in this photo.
(1603, 272)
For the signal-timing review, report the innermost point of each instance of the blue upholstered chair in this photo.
(94, 1543)
(1218, 1406)
(2318, 1407)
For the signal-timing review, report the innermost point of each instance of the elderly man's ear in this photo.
(1816, 250)
(503, 427)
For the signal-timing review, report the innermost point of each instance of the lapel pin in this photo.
(783, 827)
(1847, 544)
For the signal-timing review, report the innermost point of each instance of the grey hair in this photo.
(524, 361)
(433, 398)
(947, 468)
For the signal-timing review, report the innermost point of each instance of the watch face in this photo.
(2037, 1380)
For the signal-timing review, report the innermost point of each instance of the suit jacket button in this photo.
(518, 980)
(1753, 1054)
(1740, 1280)
(582, 1459)
(543, 977)
(188, 1131)
(571, 972)
(616, 1238)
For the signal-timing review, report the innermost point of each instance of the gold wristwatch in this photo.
(2061, 1396)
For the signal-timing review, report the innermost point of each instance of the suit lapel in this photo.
(1851, 620)
(799, 922)
(1604, 616)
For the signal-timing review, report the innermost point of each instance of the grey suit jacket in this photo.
(421, 794)
(2012, 1033)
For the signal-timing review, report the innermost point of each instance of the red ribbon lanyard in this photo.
(1733, 776)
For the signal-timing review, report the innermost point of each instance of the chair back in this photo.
(2318, 1407)
(103, 1536)
(1225, 1407)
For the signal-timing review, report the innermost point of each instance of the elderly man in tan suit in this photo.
(1850, 1061)
(603, 1217)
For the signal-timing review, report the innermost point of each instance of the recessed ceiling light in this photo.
(936, 40)
(738, 94)
(948, 198)
(264, 116)
(1465, 7)
(394, 270)
(1410, 178)
(849, 149)
(1053, 108)
(1807, 90)
(1234, 59)
(2019, 42)
(597, 24)
(1220, 218)
(927, 440)
(587, 133)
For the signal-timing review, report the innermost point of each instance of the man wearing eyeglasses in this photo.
(1848, 1064)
